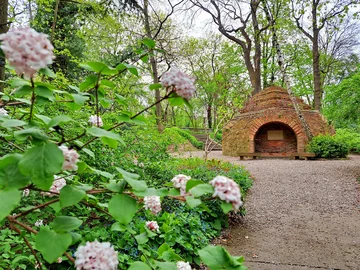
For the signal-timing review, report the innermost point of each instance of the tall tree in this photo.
(239, 22)
(322, 12)
(3, 29)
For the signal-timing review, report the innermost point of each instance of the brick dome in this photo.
(268, 123)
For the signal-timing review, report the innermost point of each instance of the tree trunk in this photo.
(209, 116)
(316, 71)
(3, 29)
(153, 65)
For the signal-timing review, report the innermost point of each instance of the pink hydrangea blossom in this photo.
(3, 112)
(153, 204)
(227, 190)
(183, 84)
(152, 226)
(26, 192)
(96, 256)
(180, 181)
(27, 50)
(96, 121)
(183, 265)
(57, 185)
(71, 158)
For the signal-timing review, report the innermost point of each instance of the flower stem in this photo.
(33, 97)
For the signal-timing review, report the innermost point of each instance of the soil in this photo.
(300, 214)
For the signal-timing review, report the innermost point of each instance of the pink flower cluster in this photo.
(27, 50)
(227, 190)
(26, 192)
(3, 112)
(183, 265)
(94, 121)
(152, 226)
(96, 256)
(71, 158)
(57, 185)
(180, 181)
(183, 83)
(153, 204)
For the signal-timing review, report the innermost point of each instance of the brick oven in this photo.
(268, 124)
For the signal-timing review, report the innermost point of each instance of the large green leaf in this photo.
(131, 179)
(41, 163)
(70, 196)
(139, 266)
(10, 176)
(166, 265)
(149, 42)
(34, 133)
(10, 123)
(99, 132)
(99, 67)
(201, 189)
(59, 119)
(9, 199)
(192, 202)
(51, 244)
(123, 208)
(63, 224)
(216, 258)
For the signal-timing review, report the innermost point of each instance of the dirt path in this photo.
(300, 215)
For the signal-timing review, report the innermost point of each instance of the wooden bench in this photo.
(277, 155)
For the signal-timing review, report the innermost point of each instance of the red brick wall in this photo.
(287, 145)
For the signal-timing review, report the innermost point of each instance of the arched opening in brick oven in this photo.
(275, 137)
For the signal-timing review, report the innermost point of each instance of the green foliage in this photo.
(187, 135)
(326, 146)
(350, 137)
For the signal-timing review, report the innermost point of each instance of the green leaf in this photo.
(132, 69)
(201, 189)
(10, 176)
(89, 152)
(51, 244)
(70, 196)
(10, 123)
(155, 86)
(14, 83)
(140, 120)
(99, 67)
(116, 186)
(108, 83)
(123, 208)
(45, 92)
(59, 119)
(98, 132)
(75, 237)
(9, 199)
(41, 163)
(23, 91)
(110, 142)
(166, 265)
(216, 258)
(118, 227)
(63, 224)
(43, 118)
(88, 83)
(164, 247)
(141, 238)
(48, 72)
(149, 43)
(176, 101)
(170, 256)
(131, 179)
(226, 207)
(79, 99)
(192, 202)
(192, 183)
(139, 266)
(34, 133)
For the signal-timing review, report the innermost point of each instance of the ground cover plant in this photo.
(326, 146)
(70, 198)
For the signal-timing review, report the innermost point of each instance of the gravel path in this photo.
(300, 214)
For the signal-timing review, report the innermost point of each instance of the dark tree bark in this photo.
(220, 11)
(3, 29)
(318, 23)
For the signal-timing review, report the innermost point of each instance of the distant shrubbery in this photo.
(350, 137)
(326, 146)
(187, 135)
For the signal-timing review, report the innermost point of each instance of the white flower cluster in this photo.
(3, 112)
(152, 226)
(153, 204)
(71, 158)
(94, 121)
(27, 50)
(183, 265)
(180, 181)
(96, 256)
(183, 83)
(227, 190)
(26, 192)
(58, 184)
(39, 223)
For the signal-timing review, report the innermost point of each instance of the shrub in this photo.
(350, 137)
(187, 135)
(326, 146)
